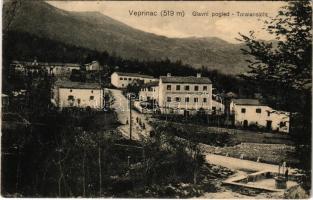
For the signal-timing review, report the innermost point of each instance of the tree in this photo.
(288, 62)
(282, 69)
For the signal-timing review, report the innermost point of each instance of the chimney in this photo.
(168, 75)
(198, 75)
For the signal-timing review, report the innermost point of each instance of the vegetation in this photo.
(282, 72)
(24, 46)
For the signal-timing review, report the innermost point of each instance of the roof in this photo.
(249, 102)
(27, 63)
(133, 75)
(185, 79)
(151, 84)
(77, 85)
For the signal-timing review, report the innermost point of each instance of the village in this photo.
(97, 102)
(248, 135)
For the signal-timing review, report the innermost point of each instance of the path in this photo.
(240, 164)
(121, 107)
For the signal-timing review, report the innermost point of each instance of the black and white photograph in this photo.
(156, 99)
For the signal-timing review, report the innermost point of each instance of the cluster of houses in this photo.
(57, 69)
(182, 95)
(187, 95)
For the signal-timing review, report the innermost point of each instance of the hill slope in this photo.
(98, 32)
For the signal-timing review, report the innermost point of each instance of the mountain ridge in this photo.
(102, 33)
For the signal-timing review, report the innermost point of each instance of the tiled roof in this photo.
(151, 84)
(185, 79)
(133, 75)
(251, 102)
(77, 85)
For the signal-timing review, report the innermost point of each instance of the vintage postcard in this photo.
(156, 99)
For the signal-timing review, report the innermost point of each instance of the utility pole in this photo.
(130, 117)
(100, 174)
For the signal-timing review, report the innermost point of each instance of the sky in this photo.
(225, 27)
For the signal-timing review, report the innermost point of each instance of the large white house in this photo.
(122, 79)
(252, 111)
(78, 94)
(179, 94)
(184, 95)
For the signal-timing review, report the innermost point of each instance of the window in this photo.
(177, 99)
(187, 99)
(177, 87)
(169, 87)
(187, 87)
(282, 124)
(196, 88)
(214, 108)
(129, 79)
(268, 113)
(70, 97)
(91, 98)
(205, 88)
(91, 91)
(125, 79)
(121, 78)
(78, 101)
(195, 99)
(169, 99)
(243, 110)
(71, 90)
(258, 110)
(204, 100)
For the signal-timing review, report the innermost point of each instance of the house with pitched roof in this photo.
(149, 92)
(249, 112)
(185, 94)
(77, 94)
(122, 79)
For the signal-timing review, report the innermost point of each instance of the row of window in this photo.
(148, 89)
(187, 99)
(125, 79)
(72, 90)
(71, 97)
(187, 87)
(258, 110)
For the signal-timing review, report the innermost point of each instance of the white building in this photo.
(93, 66)
(122, 80)
(77, 94)
(184, 95)
(252, 112)
(149, 91)
(57, 69)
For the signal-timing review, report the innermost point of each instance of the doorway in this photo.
(269, 125)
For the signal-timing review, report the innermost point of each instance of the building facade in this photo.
(149, 92)
(77, 94)
(122, 80)
(93, 66)
(56, 69)
(184, 95)
(249, 112)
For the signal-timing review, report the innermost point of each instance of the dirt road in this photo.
(121, 107)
